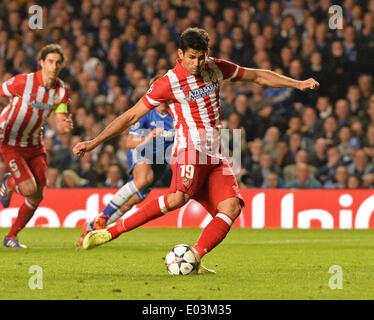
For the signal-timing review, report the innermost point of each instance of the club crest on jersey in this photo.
(186, 182)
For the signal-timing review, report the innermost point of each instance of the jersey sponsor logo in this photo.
(41, 105)
(202, 92)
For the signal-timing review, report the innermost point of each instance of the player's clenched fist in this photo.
(82, 147)
(309, 84)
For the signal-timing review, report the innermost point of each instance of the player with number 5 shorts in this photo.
(33, 98)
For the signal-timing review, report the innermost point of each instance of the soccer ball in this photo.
(182, 260)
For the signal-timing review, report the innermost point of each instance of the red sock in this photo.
(26, 211)
(151, 210)
(213, 233)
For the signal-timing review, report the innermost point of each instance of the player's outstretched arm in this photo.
(276, 80)
(116, 127)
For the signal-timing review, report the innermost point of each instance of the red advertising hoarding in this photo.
(287, 209)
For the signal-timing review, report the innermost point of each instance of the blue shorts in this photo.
(158, 169)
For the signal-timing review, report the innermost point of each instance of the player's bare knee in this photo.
(28, 190)
(144, 181)
(177, 199)
(232, 207)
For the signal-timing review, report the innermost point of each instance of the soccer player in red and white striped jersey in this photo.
(33, 98)
(200, 170)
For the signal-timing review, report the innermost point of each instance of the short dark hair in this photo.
(51, 48)
(194, 38)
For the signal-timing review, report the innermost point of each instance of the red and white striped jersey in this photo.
(30, 105)
(194, 103)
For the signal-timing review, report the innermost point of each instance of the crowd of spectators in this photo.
(291, 139)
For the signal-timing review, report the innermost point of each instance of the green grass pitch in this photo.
(250, 264)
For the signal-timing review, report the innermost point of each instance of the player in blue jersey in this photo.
(149, 146)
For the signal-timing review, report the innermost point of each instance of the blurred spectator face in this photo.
(14, 20)
(229, 15)
(194, 16)
(337, 49)
(212, 6)
(341, 175)
(333, 156)
(256, 147)
(357, 129)
(371, 6)
(135, 77)
(344, 134)
(226, 46)
(342, 109)
(353, 182)
(121, 104)
(122, 14)
(302, 172)
(268, 32)
(357, 12)
(245, 19)
(330, 125)
(261, 57)
(320, 146)
(311, 24)
(52, 176)
(150, 57)
(353, 94)
(349, 34)
(321, 32)
(323, 104)
(234, 121)
(365, 82)
(370, 107)
(295, 142)
(92, 88)
(254, 29)
(272, 180)
(260, 43)
(208, 23)
(316, 59)
(222, 28)
(241, 103)
(275, 9)
(295, 124)
(86, 7)
(266, 161)
(114, 174)
(302, 156)
(309, 116)
(370, 134)
(286, 55)
(360, 159)
(148, 14)
(104, 35)
(237, 34)
(272, 135)
(296, 69)
(100, 72)
(309, 46)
